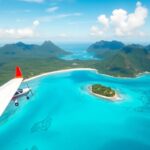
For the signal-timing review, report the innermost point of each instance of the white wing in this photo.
(7, 92)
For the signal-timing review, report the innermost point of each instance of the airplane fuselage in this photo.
(21, 92)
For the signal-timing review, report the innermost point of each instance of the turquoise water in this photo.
(62, 115)
(78, 51)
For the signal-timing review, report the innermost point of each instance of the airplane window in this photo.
(16, 93)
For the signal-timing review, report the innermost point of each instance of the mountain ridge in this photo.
(130, 59)
(20, 49)
(34, 59)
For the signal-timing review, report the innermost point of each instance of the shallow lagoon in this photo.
(62, 115)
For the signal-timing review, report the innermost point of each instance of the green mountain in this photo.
(148, 48)
(121, 60)
(47, 49)
(127, 61)
(102, 49)
(33, 59)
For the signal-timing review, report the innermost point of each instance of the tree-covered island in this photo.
(103, 91)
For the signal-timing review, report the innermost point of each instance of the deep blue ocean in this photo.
(62, 115)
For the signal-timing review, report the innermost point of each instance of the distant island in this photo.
(114, 58)
(119, 59)
(103, 91)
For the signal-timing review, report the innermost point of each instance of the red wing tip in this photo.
(18, 72)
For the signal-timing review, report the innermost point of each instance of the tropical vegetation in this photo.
(103, 90)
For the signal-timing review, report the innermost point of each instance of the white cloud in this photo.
(122, 23)
(127, 24)
(25, 32)
(59, 16)
(16, 33)
(68, 15)
(19, 33)
(104, 20)
(52, 9)
(36, 23)
(33, 1)
(95, 31)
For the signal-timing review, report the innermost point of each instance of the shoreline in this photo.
(113, 99)
(142, 74)
(80, 69)
(136, 76)
(59, 71)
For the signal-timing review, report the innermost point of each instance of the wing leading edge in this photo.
(8, 90)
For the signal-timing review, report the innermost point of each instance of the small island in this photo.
(104, 92)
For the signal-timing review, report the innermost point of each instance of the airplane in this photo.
(10, 91)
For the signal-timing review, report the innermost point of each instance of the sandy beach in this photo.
(114, 98)
(77, 69)
(59, 71)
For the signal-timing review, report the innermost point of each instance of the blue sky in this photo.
(74, 20)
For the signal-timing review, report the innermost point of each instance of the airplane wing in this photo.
(8, 90)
